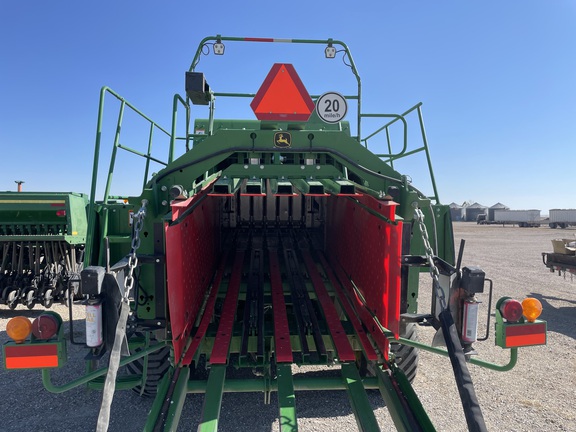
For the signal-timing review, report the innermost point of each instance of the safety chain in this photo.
(132, 257)
(434, 272)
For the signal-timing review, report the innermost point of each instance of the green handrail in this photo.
(92, 202)
(396, 117)
(391, 157)
(173, 138)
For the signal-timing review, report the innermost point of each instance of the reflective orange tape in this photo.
(31, 362)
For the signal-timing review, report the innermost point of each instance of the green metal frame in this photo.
(90, 376)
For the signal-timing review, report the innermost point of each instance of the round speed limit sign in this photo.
(331, 107)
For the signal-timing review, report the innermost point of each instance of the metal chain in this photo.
(434, 272)
(132, 257)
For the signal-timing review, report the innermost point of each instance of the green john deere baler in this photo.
(261, 244)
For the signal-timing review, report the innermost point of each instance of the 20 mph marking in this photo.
(331, 107)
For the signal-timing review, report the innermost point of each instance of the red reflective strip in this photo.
(31, 356)
(369, 350)
(57, 204)
(339, 336)
(249, 39)
(519, 341)
(282, 345)
(525, 335)
(207, 317)
(523, 330)
(31, 362)
(222, 341)
(31, 350)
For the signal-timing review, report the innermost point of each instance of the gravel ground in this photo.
(537, 395)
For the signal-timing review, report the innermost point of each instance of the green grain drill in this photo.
(42, 238)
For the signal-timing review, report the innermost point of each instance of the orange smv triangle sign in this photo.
(282, 96)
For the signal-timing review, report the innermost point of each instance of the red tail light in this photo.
(46, 326)
(511, 310)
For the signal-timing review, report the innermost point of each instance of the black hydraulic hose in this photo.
(472, 410)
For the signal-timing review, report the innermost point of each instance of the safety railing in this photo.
(153, 127)
(148, 155)
(390, 157)
(173, 137)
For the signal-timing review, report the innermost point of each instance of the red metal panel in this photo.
(369, 351)
(192, 245)
(224, 335)
(207, 317)
(282, 345)
(369, 250)
(339, 336)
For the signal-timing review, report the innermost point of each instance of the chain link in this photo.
(132, 257)
(434, 272)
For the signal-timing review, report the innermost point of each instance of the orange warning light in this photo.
(19, 328)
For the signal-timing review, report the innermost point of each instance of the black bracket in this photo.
(421, 261)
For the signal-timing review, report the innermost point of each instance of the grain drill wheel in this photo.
(31, 298)
(158, 365)
(12, 297)
(64, 296)
(48, 299)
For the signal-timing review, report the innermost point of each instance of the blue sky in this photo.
(497, 80)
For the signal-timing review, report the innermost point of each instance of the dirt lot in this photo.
(537, 395)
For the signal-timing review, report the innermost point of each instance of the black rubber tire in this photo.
(47, 299)
(407, 356)
(31, 298)
(15, 294)
(158, 365)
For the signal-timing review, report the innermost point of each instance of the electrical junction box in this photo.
(92, 278)
(473, 279)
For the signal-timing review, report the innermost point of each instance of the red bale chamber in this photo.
(352, 257)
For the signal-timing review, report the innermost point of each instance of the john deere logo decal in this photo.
(282, 140)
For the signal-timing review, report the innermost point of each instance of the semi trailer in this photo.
(522, 218)
(562, 218)
(267, 242)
